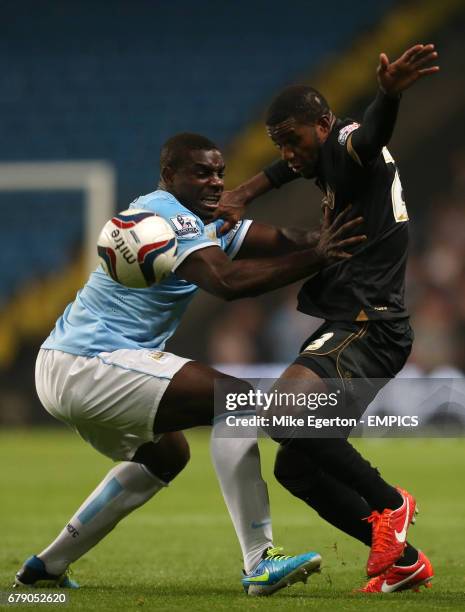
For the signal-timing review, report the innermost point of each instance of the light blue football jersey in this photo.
(106, 316)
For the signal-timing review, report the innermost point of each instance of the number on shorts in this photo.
(318, 343)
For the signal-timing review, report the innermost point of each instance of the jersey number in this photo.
(318, 343)
(397, 196)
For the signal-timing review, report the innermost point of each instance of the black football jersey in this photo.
(371, 284)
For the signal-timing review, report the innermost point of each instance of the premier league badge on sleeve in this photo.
(185, 226)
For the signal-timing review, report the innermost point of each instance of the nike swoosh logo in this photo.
(389, 588)
(255, 525)
(401, 536)
(263, 577)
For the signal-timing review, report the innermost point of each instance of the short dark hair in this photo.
(176, 149)
(302, 102)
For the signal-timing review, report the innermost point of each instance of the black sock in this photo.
(338, 457)
(335, 502)
(409, 557)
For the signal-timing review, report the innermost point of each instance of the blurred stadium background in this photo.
(96, 87)
(89, 92)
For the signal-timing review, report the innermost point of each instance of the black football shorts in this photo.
(359, 356)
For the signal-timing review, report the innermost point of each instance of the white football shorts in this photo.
(111, 399)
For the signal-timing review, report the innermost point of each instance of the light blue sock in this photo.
(237, 464)
(126, 487)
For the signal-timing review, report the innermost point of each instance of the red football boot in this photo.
(399, 578)
(389, 534)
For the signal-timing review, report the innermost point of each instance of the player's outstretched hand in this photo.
(395, 77)
(334, 237)
(231, 208)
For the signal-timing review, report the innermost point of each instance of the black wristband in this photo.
(279, 173)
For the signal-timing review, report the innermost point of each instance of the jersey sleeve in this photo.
(232, 241)
(366, 143)
(344, 141)
(346, 168)
(188, 227)
(279, 173)
(353, 165)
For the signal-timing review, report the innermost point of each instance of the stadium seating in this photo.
(93, 80)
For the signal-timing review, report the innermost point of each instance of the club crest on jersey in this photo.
(210, 232)
(156, 355)
(345, 131)
(185, 226)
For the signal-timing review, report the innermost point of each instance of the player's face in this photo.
(199, 182)
(299, 145)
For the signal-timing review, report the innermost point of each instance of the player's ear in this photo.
(167, 175)
(323, 127)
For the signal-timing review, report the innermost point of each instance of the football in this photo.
(137, 248)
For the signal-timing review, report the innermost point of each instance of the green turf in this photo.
(179, 551)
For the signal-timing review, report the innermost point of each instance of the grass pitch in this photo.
(179, 551)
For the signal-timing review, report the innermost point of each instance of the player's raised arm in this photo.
(379, 119)
(213, 271)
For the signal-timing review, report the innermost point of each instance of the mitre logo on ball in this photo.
(137, 248)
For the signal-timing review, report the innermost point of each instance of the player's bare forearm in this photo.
(253, 187)
(230, 280)
(264, 240)
(300, 239)
(252, 277)
(211, 270)
(233, 204)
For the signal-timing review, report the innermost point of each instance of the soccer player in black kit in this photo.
(366, 334)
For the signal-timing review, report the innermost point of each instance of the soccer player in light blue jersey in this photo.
(104, 371)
